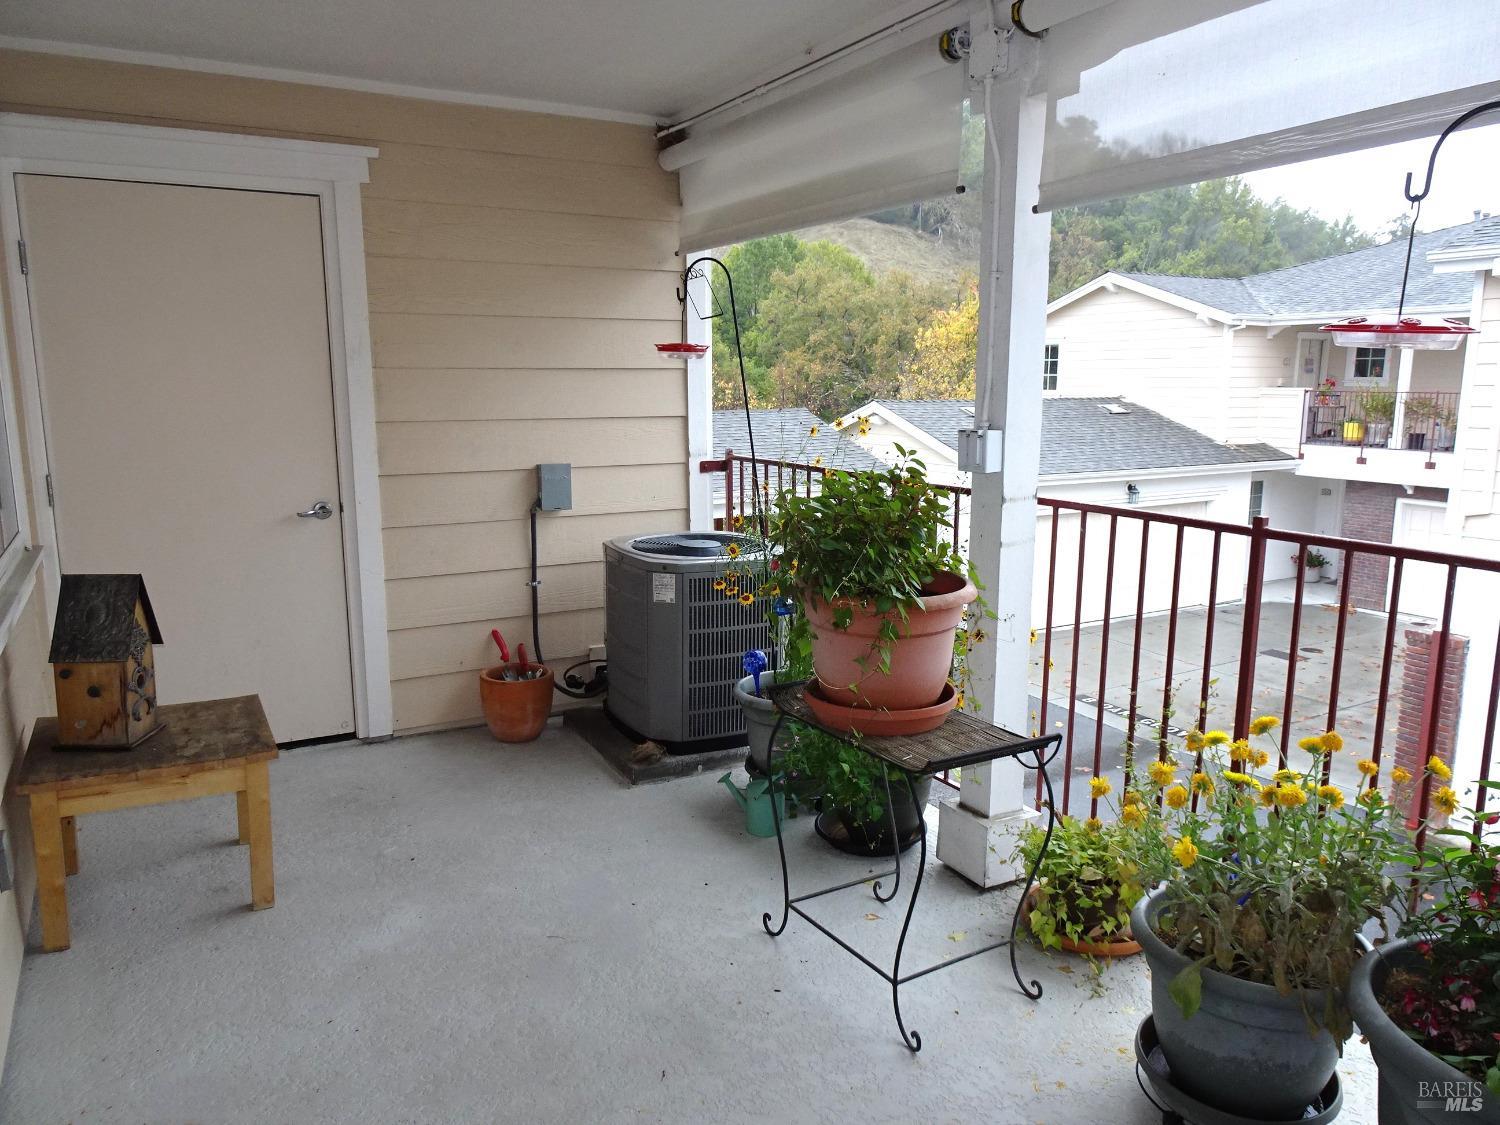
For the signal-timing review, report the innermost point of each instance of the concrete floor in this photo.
(470, 932)
(1364, 645)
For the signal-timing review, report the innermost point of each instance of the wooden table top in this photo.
(194, 737)
(962, 740)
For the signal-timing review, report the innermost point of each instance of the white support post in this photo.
(978, 830)
(700, 403)
(1406, 357)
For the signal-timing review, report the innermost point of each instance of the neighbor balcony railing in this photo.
(1426, 421)
(1183, 603)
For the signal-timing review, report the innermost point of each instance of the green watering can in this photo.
(755, 799)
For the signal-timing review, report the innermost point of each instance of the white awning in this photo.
(1252, 86)
(884, 134)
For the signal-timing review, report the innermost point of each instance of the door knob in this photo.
(320, 510)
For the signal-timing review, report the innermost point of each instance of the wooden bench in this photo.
(205, 749)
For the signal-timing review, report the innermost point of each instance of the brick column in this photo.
(1369, 513)
(1417, 693)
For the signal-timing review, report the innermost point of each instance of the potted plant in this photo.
(852, 790)
(1085, 885)
(1429, 1004)
(1419, 415)
(1264, 882)
(1314, 562)
(883, 590)
(1379, 409)
(1444, 422)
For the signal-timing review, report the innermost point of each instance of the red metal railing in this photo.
(1185, 575)
(1373, 419)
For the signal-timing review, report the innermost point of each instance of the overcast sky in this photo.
(1368, 184)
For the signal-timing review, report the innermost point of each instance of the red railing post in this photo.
(1255, 581)
(728, 490)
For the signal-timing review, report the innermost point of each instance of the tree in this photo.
(754, 265)
(835, 335)
(947, 347)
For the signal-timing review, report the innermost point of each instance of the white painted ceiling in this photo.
(654, 58)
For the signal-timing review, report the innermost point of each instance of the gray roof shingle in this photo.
(1080, 436)
(783, 435)
(1350, 284)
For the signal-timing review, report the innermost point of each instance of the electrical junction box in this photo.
(554, 487)
(979, 451)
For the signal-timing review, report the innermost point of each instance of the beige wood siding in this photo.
(1479, 424)
(521, 266)
(1123, 343)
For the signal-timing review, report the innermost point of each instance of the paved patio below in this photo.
(470, 932)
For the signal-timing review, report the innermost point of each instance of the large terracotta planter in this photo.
(919, 661)
(515, 710)
(1247, 1049)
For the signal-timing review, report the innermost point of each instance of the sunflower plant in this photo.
(1269, 872)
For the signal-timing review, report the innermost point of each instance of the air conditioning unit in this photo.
(675, 643)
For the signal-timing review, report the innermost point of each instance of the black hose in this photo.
(597, 684)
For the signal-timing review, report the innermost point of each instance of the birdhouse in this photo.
(102, 664)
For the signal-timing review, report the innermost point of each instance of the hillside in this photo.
(883, 248)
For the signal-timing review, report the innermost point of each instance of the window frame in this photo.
(1051, 356)
(1257, 499)
(1352, 368)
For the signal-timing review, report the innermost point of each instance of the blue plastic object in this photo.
(784, 606)
(754, 662)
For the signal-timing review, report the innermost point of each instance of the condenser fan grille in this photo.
(702, 545)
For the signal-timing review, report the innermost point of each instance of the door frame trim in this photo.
(332, 172)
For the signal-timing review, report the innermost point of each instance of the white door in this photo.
(1312, 358)
(1420, 523)
(182, 341)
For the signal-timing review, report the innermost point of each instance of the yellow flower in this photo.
(1367, 767)
(738, 521)
(1446, 799)
(1162, 772)
(1132, 797)
(864, 428)
(812, 432)
(1185, 851)
(1332, 796)
(1215, 738)
(731, 591)
(1259, 757)
(1263, 724)
(719, 584)
(1238, 778)
(1202, 783)
(1400, 775)
(1285, 776)
(1439, 768)
(1268, 796)
(1094, 824)
(747, 598)
(1099, 787)
(838, 423)
(1370, 798)
(1177, 797)
(1033, 637)
(1240, 750)
(817, 460)
(1312, 744)
(733, 550)
(1195, 740)
(1133, 815)
(1289, 796)
(1332, 741)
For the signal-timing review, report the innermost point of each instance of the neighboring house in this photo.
(1383, 437)
(1097, 451)
(796, 435)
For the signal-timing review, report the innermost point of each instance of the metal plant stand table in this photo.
(962, 740)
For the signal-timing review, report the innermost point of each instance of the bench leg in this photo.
(70, 844)
(242, 814)
(51, 871)
(257, 805)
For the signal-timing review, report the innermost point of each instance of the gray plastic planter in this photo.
(1414, 1085)
(760, 718)
(1247, 1049)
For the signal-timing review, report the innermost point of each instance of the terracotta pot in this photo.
(1121, 945)
(863, 720)
(516, 710)
(919, 660)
